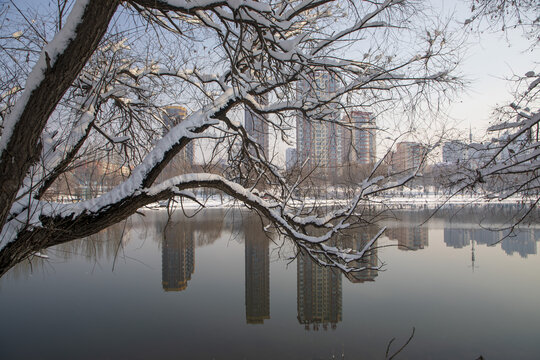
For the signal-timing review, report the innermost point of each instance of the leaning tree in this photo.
(92, 82)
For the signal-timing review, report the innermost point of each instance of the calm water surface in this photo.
(215, 287)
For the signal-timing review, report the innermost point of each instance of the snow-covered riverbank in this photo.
(394, 201)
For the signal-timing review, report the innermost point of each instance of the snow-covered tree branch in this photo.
(100, 87)
(506, 164)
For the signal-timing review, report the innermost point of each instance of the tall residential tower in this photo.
(359, 145)
(257, 126)
(173, 116)
(318, 141)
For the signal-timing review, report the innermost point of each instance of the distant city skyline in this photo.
(489, 59)
(324, 143)
(490, 56)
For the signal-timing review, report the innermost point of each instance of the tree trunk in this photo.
(23, 147)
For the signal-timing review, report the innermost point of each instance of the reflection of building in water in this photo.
(457, 238)
(318, 294)
(177, 257)
(358, 241)
(484, 236)
(409, 238)
(522, 242)
(257, 267)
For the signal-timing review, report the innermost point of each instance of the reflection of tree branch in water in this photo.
(389, 357)
(398, 351)
(236, 226)
(120, 245)
(252, 225)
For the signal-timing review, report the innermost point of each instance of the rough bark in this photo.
(23, 147)
(59, 230)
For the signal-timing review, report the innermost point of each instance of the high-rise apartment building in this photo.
(318, 141)
(257, 126)
(172, 116)
(290, 159)
(359, 143)
(407, 157)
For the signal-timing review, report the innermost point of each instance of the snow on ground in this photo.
(398, 201)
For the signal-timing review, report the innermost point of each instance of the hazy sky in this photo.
(491, 57)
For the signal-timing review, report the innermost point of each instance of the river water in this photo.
(216, 287)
